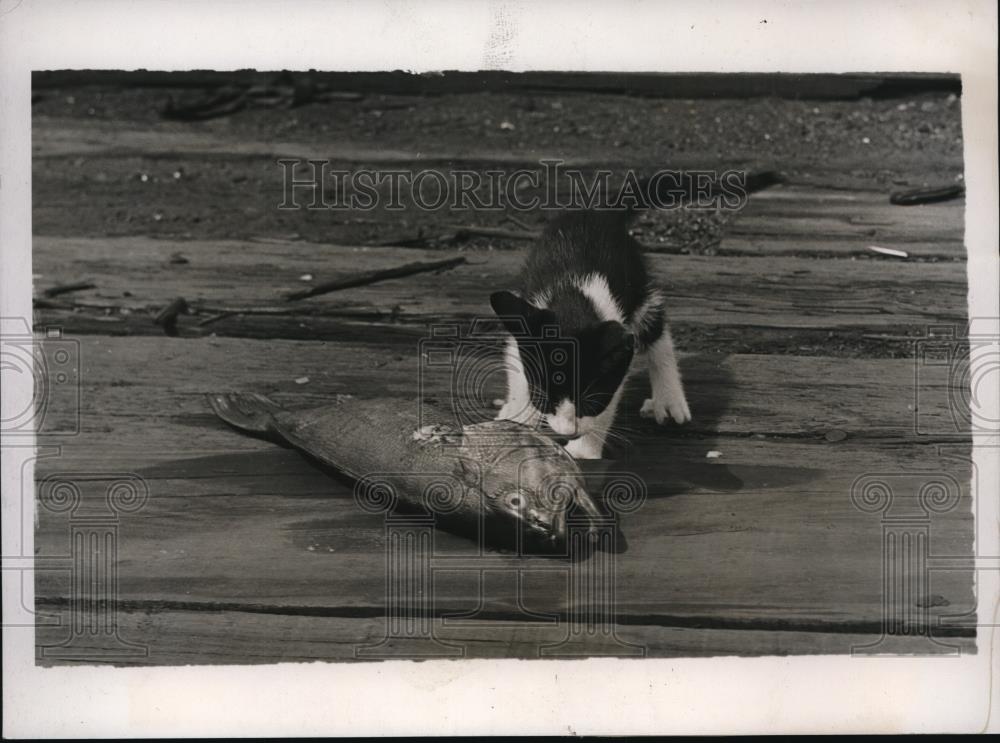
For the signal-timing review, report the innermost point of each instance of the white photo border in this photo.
(749, 695)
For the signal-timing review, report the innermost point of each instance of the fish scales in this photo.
(498, 481)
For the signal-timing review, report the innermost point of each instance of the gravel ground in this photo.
(865, 144)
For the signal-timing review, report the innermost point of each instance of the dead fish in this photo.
(499, 481)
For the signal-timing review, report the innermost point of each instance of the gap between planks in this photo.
(181, 637)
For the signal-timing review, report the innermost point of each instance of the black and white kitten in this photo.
(585, 305)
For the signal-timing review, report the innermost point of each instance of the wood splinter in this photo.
(76, 286)
(373, 277)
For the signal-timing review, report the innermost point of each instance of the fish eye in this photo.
(514, 500)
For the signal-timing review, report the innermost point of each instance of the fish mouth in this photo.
(551, 526)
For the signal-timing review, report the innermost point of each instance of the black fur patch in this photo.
(567, 351)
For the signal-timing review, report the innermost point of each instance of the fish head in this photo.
(542, 515)
(529, 482)
(536, 518)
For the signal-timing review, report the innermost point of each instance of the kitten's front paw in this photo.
(676, 409)
(584, 448)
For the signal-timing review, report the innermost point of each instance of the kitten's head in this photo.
(572, 377)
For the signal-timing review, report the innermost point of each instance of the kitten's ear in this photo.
(518, 316)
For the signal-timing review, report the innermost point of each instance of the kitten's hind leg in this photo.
(665, 379)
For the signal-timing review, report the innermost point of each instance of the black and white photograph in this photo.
(353, 367)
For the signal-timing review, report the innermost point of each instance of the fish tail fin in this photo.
(245, 411)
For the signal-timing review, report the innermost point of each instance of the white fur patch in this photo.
(518, 405)
(646, 314)
(595, 288)
(541, 300)
(563, 421)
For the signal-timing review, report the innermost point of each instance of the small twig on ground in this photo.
(519, 223)
(220, 313)
(55, 291)
(926, 195)
(43, 303)
(39, 303)
(215, 318)
(464, 232)
(225, 101)
(372, 277)
(329, 96)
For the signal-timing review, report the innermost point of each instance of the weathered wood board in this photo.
(150, 381)
(136, 274)
(172, 637)
(824, 219)
(764, 537)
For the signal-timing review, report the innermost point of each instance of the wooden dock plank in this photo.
(214, 464)
(802, 241)
(772, 291)
(173, 637)
(55, 138)
(764, 557)
(159, 380)
(754, 558)
(790, 212)
(750, 537)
